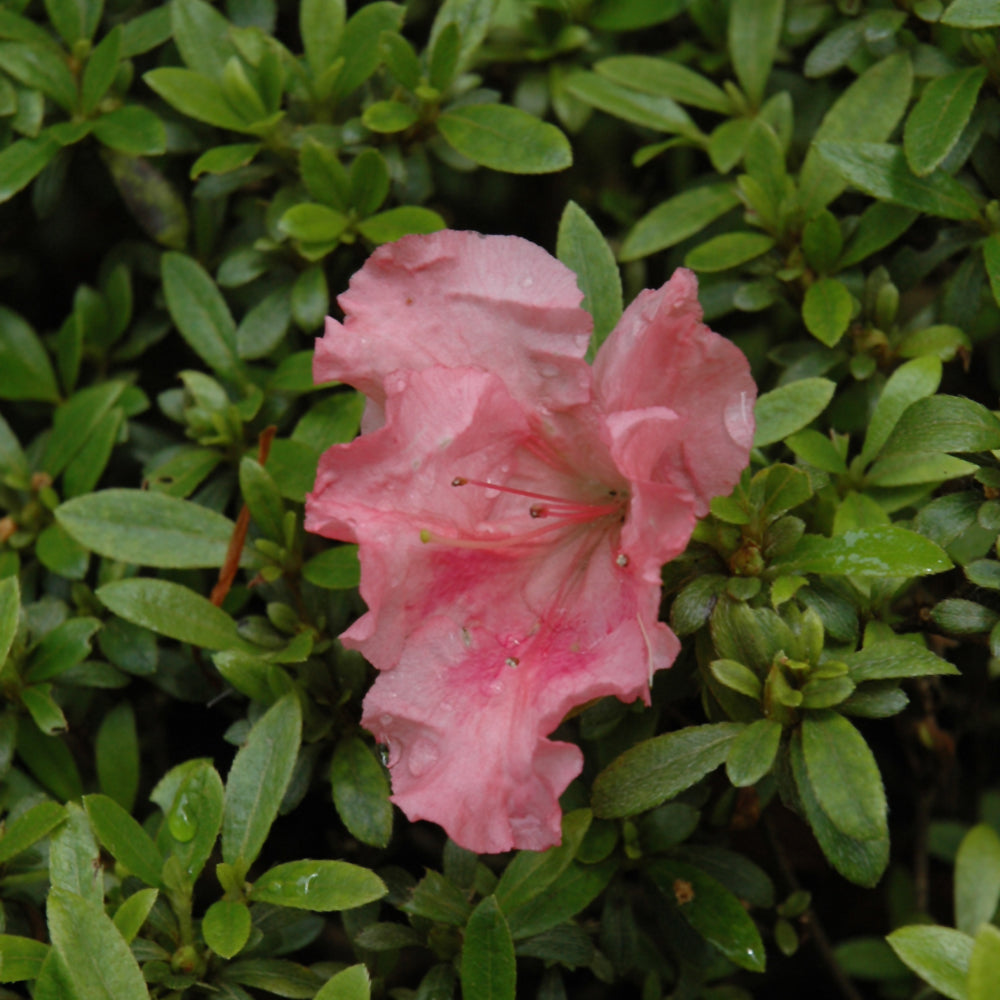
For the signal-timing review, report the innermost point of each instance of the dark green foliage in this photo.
(190, 806)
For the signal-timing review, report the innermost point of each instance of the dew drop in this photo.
(548, 371)
(422, 756)
(180, 822)
(527, 282)
(738, 420)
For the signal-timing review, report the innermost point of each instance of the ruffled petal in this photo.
(456, 299)
(661, 354)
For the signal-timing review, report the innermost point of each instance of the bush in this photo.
(192, 807)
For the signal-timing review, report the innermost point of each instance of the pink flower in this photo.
(513, 508)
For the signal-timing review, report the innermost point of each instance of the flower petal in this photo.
(456, 299)
(661, 355)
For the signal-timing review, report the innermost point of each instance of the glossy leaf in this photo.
(361, 791)
(789, 408)
(886, 551)
(938, 118)
(939, 955)
(321, 886)
(124, 838)
(488, 968)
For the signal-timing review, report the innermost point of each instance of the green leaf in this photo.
(729, 250)
(265, 326)
(193, 804)
(310, 301)
(944, 424)
(361, 790)
(984, 966)
(881, 170)
(147, 529)
(584, 250)
(754, 29)
(44, 710)
(75, 421)
(531, 873)
(665, 78)
(892, 658)
(868, 111)
(736, 676)
(40, 67)
(226, 927)
(647, 110)
(26, 830)
(10, 611)
(676, 219)
(224, 159)
(351, 983)
(789, 408)
(321, 886)
(827, 310)
(25, 369)
(97, 960)
(817, 450)
(712, 910)
(658, 769)
(334, 569)
(262, 497)
(116, 752)
(977, 878)
(359, 44)
(74, 858)
(321, 24)
(962, 617)
(394, 223)
(844, 776)
(132, 914)
(472, 20)
(99, 73)
(881, 224)
(861, 861)
(939, 955)
(50, 761)
(75, 20)
(753, 752)
(939, 117)
(196, 96)
(940, 340)
(886, 551)
(200, 313)
(20, 958)
(914, 380)
(173, 610)
(132, 129)
(258, 779)
(203, 36)
(439, 899)
(124, 838)
(310, 222)
(387, 117)
(488, 969)
(505, 138)
(574, 890)
(64, 647)
(971, 14)
(628, 15)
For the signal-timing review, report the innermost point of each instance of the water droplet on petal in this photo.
(422, 756)
(527, 282)
(738, 420)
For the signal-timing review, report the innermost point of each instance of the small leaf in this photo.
(226, 927)
(361, 791)
(827, 310)
(132, 914)
(584, 250)
(196, 96)
(977, 878)
(321, 886)
(124, 838)
(505, 138)
(984, 966)
(887, 551)
(754, 29)
(789, 408)
(351, 983)
(971, 14)
(658, 769)
(666, 78)
(649, 111)
(939, 955)
(395, 223)
(939, 117)
(258, 779)
(678, 218)
(729, 250)
(488, 968)
(21, 958)
(26, 830)
(753, 752)
(944, 424)
(25, 369)
(893, 658)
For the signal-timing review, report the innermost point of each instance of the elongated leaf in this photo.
(173, 610)
(25, 369)
(28, 829)
(200, 312)
(886, 551)
(74, 857)
(20, 958)
(971, 14)
(505, 138)
(97, 960)
(321, 886)
(22, 161)
(939, 955)
(148, 529)
(75, 421)
(657, 769)
(984, 966)
(582, 248)
(944, 424)
(789, 408)
(665, 78)
(890, 658)
(938, 118)
(754, 29)
(195, 95)
(977, 878)
(259, 778)
(649, 111)
(729, 250)
(124, 838)
(202, 36)
(827, 309)
(881, 170)
(753, 752)
(351, 983)
(712, 910)
(909, 382)
(321, 23)
(867, 111)
(676, 219)
(489, 969)
(361, 790)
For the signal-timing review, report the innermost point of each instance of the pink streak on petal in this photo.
(661, 354)
(457, 299)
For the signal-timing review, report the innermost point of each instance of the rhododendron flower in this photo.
(513, 506)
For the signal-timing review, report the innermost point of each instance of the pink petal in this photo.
(457, 299)
(662, 355)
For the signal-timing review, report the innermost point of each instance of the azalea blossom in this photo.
(513, 507)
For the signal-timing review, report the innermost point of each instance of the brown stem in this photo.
(817, 932)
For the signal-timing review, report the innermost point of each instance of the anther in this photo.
(538, 510)
(621, 560)
(459, 481)
(511, 661)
